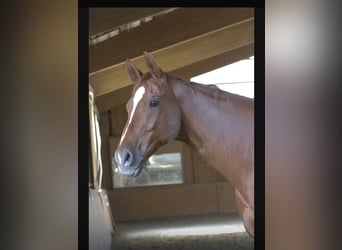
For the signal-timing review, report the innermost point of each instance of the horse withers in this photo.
(216, 124)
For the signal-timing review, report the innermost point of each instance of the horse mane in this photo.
(211, 90)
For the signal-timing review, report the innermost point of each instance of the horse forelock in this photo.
(151, 84)
(143, 79)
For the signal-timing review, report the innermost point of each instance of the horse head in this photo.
(153, 117)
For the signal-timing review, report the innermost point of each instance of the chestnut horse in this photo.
(218, 125)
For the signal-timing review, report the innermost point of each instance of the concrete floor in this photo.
(214, 232)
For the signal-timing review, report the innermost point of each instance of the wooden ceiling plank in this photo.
(163, 31)
(104, 19)
(120, 96)
(179, 55)
(215, 62)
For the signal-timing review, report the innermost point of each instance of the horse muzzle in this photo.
(127, 163)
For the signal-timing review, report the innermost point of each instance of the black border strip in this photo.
(231, 3)
(83, 130)
(259, 129)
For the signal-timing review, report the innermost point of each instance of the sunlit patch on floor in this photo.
(182, 226)
(200, 232)
(186, 231)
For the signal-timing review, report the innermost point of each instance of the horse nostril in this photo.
(123, 158)
(127, 158)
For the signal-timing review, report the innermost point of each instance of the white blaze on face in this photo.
(136, 99)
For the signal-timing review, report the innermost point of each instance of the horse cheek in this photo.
(150, 124)
(174, 125)
(152, 121)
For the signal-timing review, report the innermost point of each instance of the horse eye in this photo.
(154, 103)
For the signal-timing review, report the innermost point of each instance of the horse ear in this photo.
(133, 72)
(152, 66)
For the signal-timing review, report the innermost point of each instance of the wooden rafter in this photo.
(179, 55)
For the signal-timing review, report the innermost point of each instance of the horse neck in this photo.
(217, 125)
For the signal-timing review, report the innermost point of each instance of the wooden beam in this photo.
(215, 62)
(163, 31)
(113, 99)
(103, 19)
(120, 96)
(179, 55)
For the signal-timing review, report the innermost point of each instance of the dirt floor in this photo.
(214, 232)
